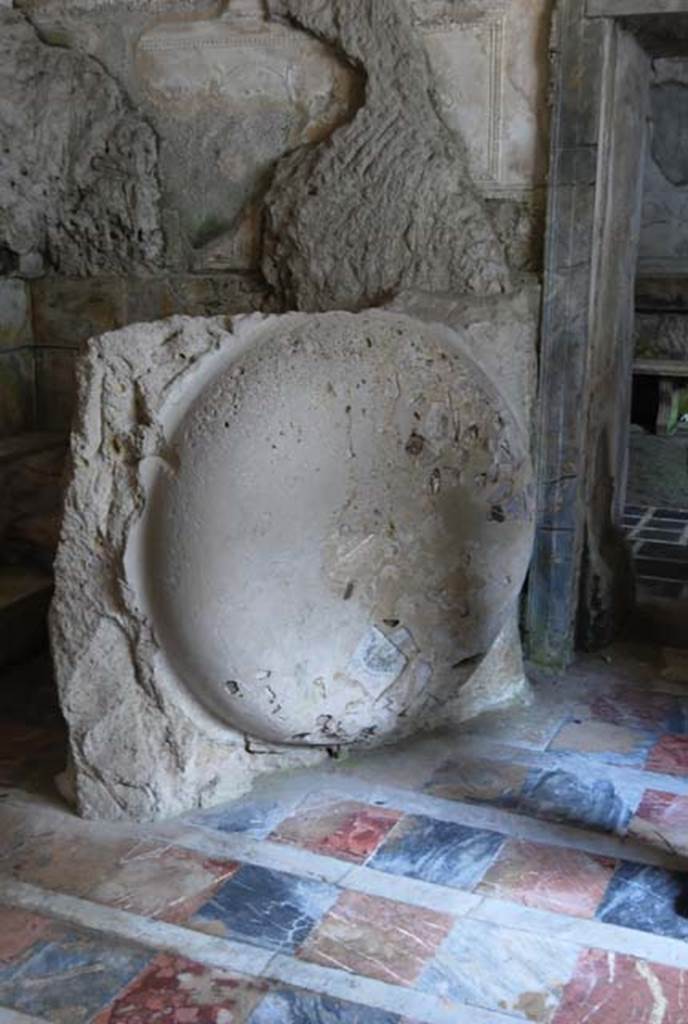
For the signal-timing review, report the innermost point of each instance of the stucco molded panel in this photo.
(230, 95)
(281, 534)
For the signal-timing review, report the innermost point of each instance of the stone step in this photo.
(25, 594)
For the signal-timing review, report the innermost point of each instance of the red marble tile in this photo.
(635, 709)
(549, 877)
(377, 937)
(164, 882)
(145, 878)
(62, 861)
(344, 829)
(19, 930)
(609, 988)
(173, 990)
(662, 820)
(669, 756)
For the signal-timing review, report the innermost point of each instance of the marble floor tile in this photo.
(636, 709)
(662, 821)
(19, 930)
(173, 990)
(265, 908)
(255, 816)
(479, 780)
(561, 796)
(64, 861)
(291, 1006)
(162, 881)
(609, 988)
(644, 898)
(548, 877)
(377, 937)
(438, 851)
(530, 726)
(612, 744)
(69, 979)
(338, 828)
(501, 969)
(669, 755)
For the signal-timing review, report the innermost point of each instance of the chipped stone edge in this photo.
(164, 756)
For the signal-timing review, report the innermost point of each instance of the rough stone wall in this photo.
(661, 327)
(174, 150)
(79, 189)
(661, 336)
(664, 237)
(388, 202)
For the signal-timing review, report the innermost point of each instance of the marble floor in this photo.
(530, 867)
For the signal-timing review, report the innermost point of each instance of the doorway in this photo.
(581, 588)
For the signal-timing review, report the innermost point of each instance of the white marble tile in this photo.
(493, 967)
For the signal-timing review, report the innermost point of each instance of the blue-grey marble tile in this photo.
(69, 979)
(253, 816)
(266, 908)
(500, 969)
(294, 1007)
(563, 797)
(438, 851)
(644, 898)
(479, 780)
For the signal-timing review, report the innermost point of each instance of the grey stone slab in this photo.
(623, 8)
(551, 599)
(69, 311)
(15, 313)
(17, 391)
(576, 165)
(572, 235)
(55, 388)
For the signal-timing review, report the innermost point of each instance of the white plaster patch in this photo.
(376, 663)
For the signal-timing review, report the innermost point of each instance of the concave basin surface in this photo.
(348, 523)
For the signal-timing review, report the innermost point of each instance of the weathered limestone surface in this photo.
(423, 123)
(228, 97)
(500, 335)
(231, 599)
(79, 190)
(229, 90)
(664, 237)
(661, 336)
(387, 203)
(227, 93)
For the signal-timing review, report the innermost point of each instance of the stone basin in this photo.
(342, 525)
(285, 536)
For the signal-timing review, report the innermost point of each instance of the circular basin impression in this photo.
(346, 527)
